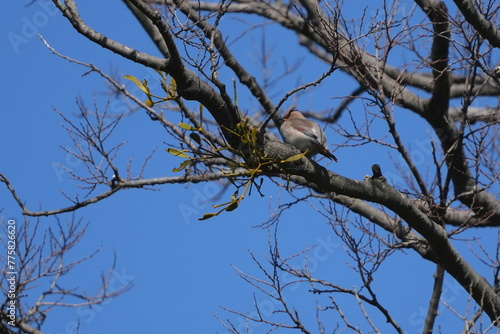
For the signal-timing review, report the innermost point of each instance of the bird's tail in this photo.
(326, 153)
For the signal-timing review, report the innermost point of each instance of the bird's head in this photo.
(291, 114)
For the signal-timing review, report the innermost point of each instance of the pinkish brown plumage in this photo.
(304, 135)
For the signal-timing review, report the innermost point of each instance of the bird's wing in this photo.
(315, 133)
(310, 129)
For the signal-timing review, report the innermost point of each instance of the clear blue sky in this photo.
(180, 268)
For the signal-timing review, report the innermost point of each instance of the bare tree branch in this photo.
(479, 22)
(437, 290)
(70, 11)
(124, 184)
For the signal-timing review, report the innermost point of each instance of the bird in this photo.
(305, 135)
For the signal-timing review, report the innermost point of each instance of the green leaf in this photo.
(187, 127)
(173, 85)
(232, 206)
(161, 73)
(208, 216)
(183, 165)
(295, 157)
(253, 133)
(149, 103)
(196, 137)
(145, 84)
(178, 153)
(139, 84)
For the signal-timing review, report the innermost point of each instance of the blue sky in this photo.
(180, 268)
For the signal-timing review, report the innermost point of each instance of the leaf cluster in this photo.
(241, 173)
(170, 89)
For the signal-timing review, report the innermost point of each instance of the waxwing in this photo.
(305, 135)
